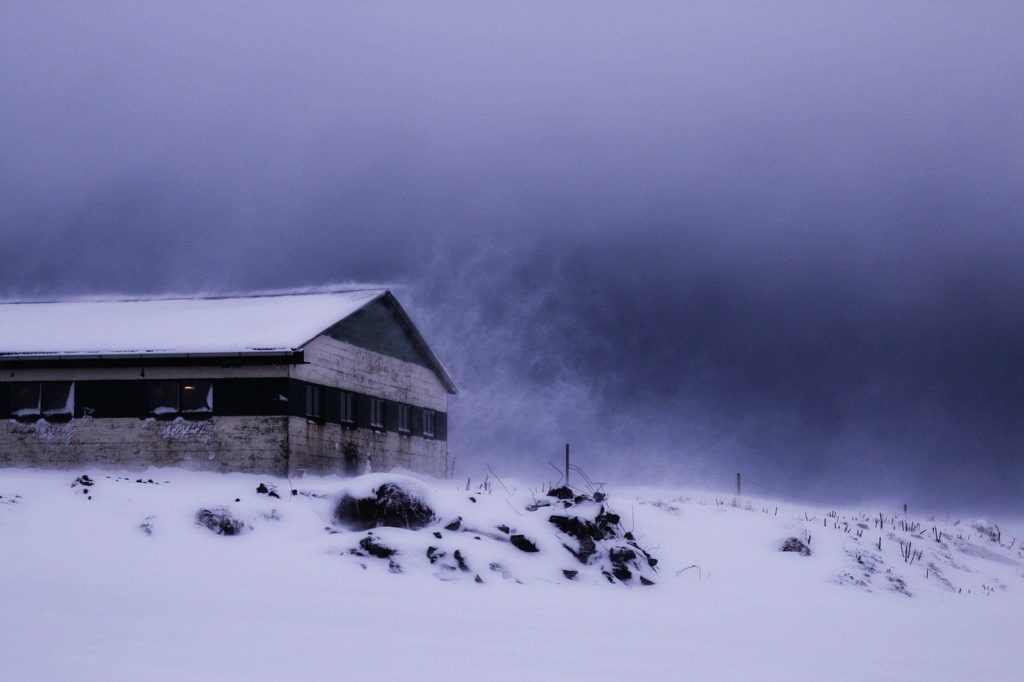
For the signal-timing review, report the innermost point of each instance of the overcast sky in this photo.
(692, 239)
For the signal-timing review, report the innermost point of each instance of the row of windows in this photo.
(56, 399)
(193, 399)
(347, 415)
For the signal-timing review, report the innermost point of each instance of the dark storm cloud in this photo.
(783, 239)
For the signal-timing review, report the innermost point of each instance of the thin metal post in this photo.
(567, 464)
(737, 485)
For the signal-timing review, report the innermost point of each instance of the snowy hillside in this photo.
(174, 575)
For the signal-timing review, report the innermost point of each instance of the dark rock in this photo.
(504, 529)
(580, 528)
(461, 561)
(521, 542)
(587, 548)
(563, 493)
(220, 521)
(238, 499)
(619, 555)
(478, 579)
(599, 497)
(376, 549)
(454, 525)
(621, 572)
(645, 581)
(437, 534)
(391, 506)
(569, 574)
(796, 545)
(84, 480)
(295, 491)
(85, 491)
(273, 494)
(261, 488)
(473, 500)
(628, 535)
(434, 555)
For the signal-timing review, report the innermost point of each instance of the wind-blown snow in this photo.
(171, 326)
(119, 583)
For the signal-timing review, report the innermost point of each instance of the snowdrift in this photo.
(171, 575)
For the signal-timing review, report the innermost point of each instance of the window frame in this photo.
(195, 411)
(314, 402)
(377, 413)
(41, 388)
(172, 411)
(429, 422)
(404, 418)
(347, 409)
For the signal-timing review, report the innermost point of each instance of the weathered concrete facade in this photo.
(321, 445)
(375, 408)
(256, 444)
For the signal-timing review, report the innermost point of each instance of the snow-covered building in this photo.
(338, 381)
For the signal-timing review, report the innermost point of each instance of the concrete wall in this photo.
(256, 444)
(320, 448)
(335, 363)
(317, 447)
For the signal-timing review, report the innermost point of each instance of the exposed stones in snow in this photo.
(523, 543)
(391, 505)
(376, 549)
(220, 521)
(580, 523)
(796, 545)
(562, 493)
(270, 491)
(147, 525)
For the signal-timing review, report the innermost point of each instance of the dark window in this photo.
(25, 399)
(163, 397)
(348, 412)
(196, 397)
(428, 423)
(58, 399)
(188, 396)
(50, 399)
(312, 401)
(404, 421)
(377, 413)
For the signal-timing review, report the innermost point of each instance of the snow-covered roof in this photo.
(244, 325)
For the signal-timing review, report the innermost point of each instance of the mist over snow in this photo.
(691, 240)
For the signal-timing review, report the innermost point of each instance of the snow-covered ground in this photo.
(117, 581)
